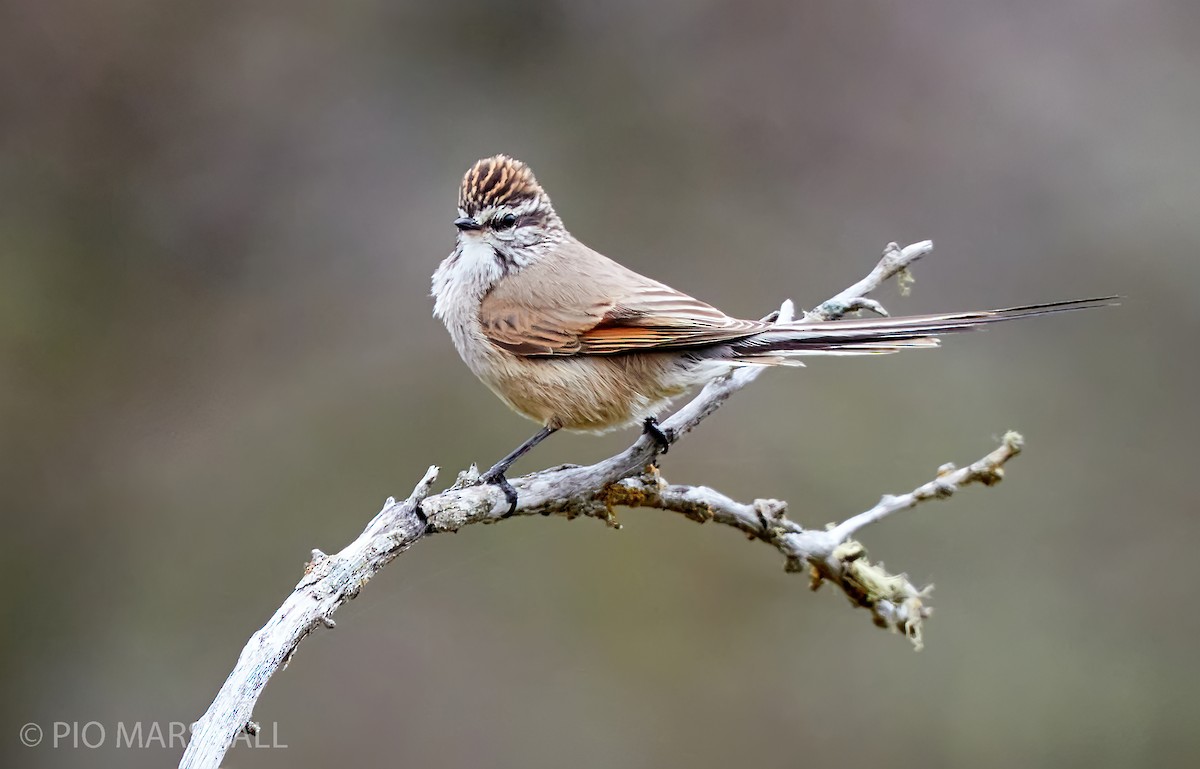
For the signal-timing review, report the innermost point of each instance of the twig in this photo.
(895, 261)
(830, 555)
(627, 478)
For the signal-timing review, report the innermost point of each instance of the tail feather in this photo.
(887, 335)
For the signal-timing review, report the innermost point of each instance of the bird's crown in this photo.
(497, 181)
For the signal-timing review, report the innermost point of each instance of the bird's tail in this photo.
(785, 342)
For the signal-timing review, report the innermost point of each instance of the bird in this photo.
(575, 341)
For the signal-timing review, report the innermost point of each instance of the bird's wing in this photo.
(578, 302)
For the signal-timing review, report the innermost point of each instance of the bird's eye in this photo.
(505, 222)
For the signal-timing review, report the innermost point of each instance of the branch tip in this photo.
(1014, 442)
(424, 486)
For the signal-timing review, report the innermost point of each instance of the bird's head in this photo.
(505, 223)
(500, 203)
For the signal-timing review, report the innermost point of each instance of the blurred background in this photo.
(217, 225)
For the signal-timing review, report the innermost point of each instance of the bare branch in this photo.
(829, 555)
(628, 478)
(988, 471)
(895, 261)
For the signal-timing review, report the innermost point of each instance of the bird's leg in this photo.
(664, 438)
(496, 477)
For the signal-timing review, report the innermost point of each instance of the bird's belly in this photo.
(589, 394)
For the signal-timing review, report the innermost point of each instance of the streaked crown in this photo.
(498, 181)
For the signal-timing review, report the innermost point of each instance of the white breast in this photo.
(459, 285)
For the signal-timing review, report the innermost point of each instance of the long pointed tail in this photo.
(885, 335)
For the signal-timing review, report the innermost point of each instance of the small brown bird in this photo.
(574, 341)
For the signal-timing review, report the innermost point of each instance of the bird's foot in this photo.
(497, 479)
(663, 438)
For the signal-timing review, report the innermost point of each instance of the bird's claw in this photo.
(498, 479)
(663, 438)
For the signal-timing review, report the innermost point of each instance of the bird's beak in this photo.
(467, 223)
